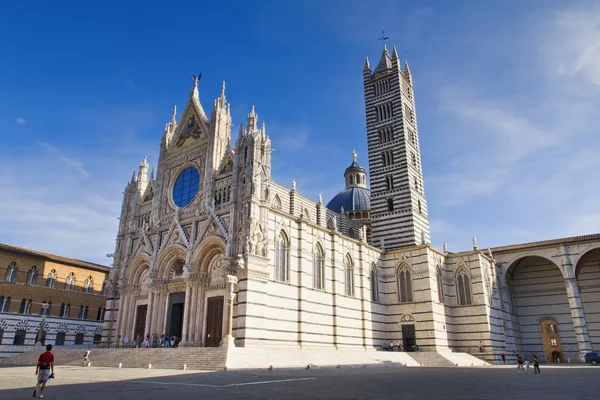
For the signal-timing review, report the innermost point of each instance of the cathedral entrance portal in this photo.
(175, 314)
(409, 340)
(214, 321)
(140, 323)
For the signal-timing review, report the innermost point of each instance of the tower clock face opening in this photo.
(186, 187)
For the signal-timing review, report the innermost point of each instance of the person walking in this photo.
(536, 365)
(480, 346)
(527, 365)
(44, 371)
(503, 357)
(86, 358)
(520, 363)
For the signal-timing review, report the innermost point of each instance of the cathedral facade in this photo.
(211, 250)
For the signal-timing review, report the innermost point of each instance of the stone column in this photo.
(229, 340)
(148, 325)
(579, 322)
(186, 311)
(123, 316)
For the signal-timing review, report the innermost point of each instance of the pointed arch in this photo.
(88, 285)
(70, 281)
(276, 203)
(349, 275)
(463, 287)
(440, 284)
(11, 272)
(374, 283)
(282, 255)
(319, 267)
(404, 280)
(32, 276)
(51, 279)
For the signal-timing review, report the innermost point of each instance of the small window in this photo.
(419, 205)
(87, 285)
(374, 284)
(553, 342)
(19, 339)
(70, 281)
(413, 159)
(25, 306)
(51, 279)
(79, 338)
(60, 339)
(390, 204)
(349, 266)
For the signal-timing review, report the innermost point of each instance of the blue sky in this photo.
(506, 95)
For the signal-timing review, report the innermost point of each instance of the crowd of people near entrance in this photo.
(165, 341)
(397, 346)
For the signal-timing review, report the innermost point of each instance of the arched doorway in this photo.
(588, 276)
(538, 294)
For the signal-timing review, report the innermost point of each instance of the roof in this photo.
(552, 242)
(385, 63)
(354, 167)
(351, 199)
(53, 257)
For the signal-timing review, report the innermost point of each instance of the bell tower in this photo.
(398, 204)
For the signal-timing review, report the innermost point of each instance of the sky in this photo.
(506, 95)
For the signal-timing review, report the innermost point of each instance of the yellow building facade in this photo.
(45, 298)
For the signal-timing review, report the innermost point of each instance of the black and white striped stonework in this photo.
(398, 204)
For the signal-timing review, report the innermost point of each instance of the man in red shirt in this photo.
(44, 370)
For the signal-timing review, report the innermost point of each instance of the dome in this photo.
(351, 199)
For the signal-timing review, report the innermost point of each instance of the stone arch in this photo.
(204, 254)
(167, 258)
(579, 260)
(136, 268)
(537, 291)
(514, 262)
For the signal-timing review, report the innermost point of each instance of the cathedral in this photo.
(211, 250)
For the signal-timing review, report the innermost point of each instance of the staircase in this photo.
(431, 359)
(206, 358)
(463, 359)
(254, 358)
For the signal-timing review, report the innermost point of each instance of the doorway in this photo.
(140, 323)
(175, 314)
(214, 321)
(409, 341)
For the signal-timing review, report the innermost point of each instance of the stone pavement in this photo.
(569, 382)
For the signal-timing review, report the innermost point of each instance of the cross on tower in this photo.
(383, 37)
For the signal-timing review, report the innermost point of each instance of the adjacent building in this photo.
(49, 299)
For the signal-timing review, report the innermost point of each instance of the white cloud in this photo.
(21, 121)
(524, 165)
(75, 165)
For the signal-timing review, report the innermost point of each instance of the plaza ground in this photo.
(497, 382)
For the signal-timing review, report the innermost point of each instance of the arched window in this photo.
(405, 294)
(319, 268)
(349, 269)
(282, 253)
(32, 276)
(25, 306)
(51, 279)
(70, 281)
(419, 205)
(4, 304)
(65, 310)
(374, 284)
(60, 339)
(103, 293)
(11, 272)
(440, 285)
(88, 284)
(463, 287)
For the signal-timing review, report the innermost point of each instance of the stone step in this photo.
(430, 359)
